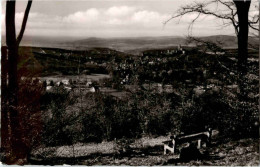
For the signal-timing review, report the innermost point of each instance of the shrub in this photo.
(126, 123)
(93, 127)
(57, 129)
(233, 118)
(30, 113)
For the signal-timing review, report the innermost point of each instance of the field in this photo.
(91, 77)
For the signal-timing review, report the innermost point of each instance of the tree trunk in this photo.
(12, 87)
(242, 36)
(5, 143)
(11, 128)
(242, 13)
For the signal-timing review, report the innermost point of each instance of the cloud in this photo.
(116, 16)
(120, 11)
(80, 17)
(149, 17)
(112, 21)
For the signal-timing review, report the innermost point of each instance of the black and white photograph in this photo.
(130, 82)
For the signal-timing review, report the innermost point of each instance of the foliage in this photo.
(101, 116)
(233, 118)
(59, 124)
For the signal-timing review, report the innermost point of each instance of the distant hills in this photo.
(133, 45)
(130, 45)
(143, 43)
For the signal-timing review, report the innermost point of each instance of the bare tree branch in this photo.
(26, 14)
(254, 23)
(199, 8)
(229, 13)
(254, 28)
(212, 46)
(191, 25)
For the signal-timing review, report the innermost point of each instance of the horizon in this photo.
(30, 40)
(124, 44)
(122, 37)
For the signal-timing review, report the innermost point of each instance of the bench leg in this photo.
(199, 144)
(164, 152)
(168, 148)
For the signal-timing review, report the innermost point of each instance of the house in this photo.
(151, 62)
(252, 59)
(199, 90)
(48, 82)
(68, 88)
(65, 81)
(94, 89)
(215, 53)
(48, 88)
(168, 88)
(42, 51)
(179, 47)
(89, 83)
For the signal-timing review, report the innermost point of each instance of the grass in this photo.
(149, 151)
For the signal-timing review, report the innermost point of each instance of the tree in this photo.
(235, 13)
(11, 99)
(242, 32)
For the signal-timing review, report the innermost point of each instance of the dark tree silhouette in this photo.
(242, 13)
(242, 36)
(235, 13)
(10, 82)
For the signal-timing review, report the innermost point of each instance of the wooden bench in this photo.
(202, 137)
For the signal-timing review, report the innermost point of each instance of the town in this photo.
(106, 70)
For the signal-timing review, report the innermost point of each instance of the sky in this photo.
(112, 18)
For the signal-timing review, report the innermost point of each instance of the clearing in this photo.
(146, 152)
